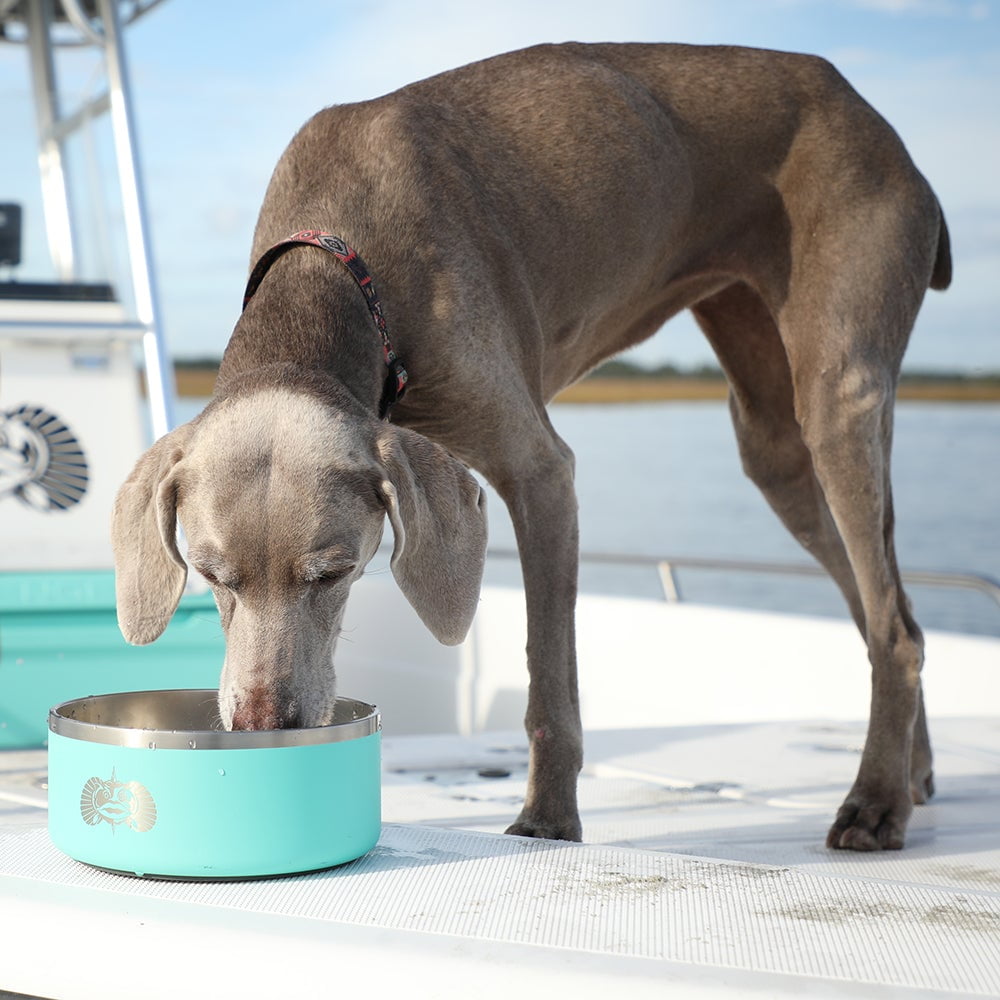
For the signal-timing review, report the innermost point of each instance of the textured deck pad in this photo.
(475, 889)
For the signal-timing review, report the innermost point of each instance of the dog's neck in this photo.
(306, 317)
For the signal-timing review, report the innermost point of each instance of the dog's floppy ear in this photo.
(438, 515)
(149, 569)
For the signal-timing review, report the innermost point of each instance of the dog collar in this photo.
(396, 379)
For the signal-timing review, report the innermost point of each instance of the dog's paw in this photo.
(546, 829)
(869, 826)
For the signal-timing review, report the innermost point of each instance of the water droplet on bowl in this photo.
(222, 770)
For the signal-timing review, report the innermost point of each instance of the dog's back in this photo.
(589, 192)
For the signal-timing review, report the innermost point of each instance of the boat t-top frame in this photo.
(43, 26)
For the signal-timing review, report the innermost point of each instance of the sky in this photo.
(220, 87)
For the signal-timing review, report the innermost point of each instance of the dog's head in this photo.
(282, 500)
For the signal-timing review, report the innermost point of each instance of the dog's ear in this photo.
(438, 515)
(149, 569)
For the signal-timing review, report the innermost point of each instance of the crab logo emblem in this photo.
(41, 462)
(117, 803)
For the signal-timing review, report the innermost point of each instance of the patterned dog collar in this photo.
(396, 379)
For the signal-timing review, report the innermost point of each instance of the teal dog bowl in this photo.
(148, 783)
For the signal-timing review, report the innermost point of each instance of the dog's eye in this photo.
(214, 581)
(326, 566)
(333, 574)
(327, 574)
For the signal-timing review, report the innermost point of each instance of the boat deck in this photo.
(704, 872)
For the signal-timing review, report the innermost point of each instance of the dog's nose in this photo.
(261, 710)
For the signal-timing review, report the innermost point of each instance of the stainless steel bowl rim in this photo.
(365, 720)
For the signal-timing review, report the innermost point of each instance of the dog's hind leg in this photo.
(847, 426)
(776, 457)
(845, 326)
(745, 338)
(921, 758)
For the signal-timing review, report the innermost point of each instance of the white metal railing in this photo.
(667, 568)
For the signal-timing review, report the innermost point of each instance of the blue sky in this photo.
(221, 87)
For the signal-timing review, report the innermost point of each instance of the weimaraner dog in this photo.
(525, 218)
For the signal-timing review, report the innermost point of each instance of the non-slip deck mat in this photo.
(591, 899)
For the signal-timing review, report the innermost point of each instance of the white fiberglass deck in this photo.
(704, 871)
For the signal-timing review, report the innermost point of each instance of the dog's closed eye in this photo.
(218, 580)
(212, 567)
(327, 566)
(333, 576)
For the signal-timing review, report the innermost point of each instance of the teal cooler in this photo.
(59, 639)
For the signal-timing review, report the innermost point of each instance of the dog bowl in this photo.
(148, 783)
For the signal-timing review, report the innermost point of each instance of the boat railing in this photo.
(669, 568)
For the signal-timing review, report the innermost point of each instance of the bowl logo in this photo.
(41, 461)
(117, 803)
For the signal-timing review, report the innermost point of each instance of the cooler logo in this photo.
(41, 462)
(117, 803)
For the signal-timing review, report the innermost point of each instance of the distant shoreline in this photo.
(694, 388)
(197, 380)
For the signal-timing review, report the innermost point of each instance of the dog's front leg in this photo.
(542, 503)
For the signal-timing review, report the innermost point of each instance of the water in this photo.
(664, 479)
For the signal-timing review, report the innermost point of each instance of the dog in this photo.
(526, 217)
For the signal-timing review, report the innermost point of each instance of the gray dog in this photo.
(527, 217)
